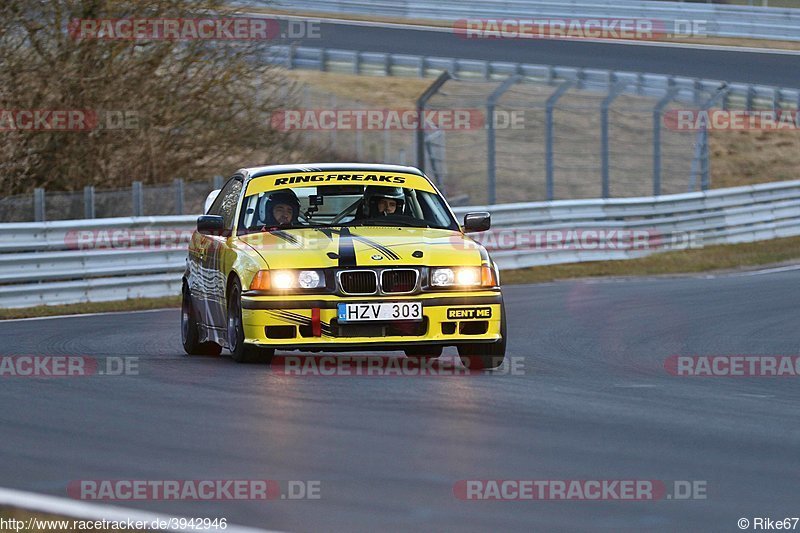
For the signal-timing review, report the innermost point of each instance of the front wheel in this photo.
(241, 352)
(189, 333)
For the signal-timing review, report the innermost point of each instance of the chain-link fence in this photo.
(176, 198)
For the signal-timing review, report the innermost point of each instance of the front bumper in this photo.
(449, 319)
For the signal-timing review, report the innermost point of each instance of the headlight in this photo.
(310, 279)
(463, 277)
(284, 280)
(443, 277)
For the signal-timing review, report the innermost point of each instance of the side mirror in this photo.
(210, 200)
(210, 225)
(477, 222)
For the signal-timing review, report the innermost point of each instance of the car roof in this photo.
(326, 167)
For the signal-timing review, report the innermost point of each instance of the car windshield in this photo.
(348, 205)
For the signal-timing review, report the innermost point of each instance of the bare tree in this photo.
(188, 107)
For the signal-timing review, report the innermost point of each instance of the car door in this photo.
(212, 248)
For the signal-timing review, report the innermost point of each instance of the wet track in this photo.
(594, 403)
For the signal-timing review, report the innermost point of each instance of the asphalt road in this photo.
(594, 403)
(731, 65)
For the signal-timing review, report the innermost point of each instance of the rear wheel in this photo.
(486, 356)
(189, 329)
(241, 352)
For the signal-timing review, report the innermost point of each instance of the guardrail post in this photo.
(491, 104)
(38, 205)
(357, 63)
(387, 65)
(136, 192)
(549, 134)
(219, 181)
(422, 101)
(613, 93)
(658, 112)
(749, 100)
(178, 196)
(401, 157)
(88, 202)
(290, 57)
(322, 58)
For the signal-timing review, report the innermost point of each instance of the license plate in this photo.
(370, 312)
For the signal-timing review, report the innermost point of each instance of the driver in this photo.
(281, 209)
(383, 201)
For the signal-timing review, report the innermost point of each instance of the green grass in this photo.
(721, 257)
(138, 304)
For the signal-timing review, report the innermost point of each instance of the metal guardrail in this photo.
(722, 20)
(49, 263)
(692, 91)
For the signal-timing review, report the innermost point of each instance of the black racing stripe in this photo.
(347, 251)
(388, 252)
(308, 304)
(302, 320)
(291, 239)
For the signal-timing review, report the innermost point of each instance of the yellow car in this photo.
(339, 257)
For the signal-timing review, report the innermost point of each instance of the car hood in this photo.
(364, 247)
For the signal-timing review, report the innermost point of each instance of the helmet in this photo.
(374, 193)
(287, 197)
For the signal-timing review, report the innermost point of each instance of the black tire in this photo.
(486, 356)
(242, 352)
(189, 333)
(421, 354)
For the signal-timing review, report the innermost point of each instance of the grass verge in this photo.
(138, 304)
(719, 258)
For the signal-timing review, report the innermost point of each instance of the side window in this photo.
(225, 204)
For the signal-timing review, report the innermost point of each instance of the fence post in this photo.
(387, 143)
(491, 104)
(421, 103)
(178, 196)
(136, 191)
(332, 104)
(613, 93)
(549, 134)
(701, 146)
(88, 202)
(359, 145)
(658, 112)
(38, 205)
